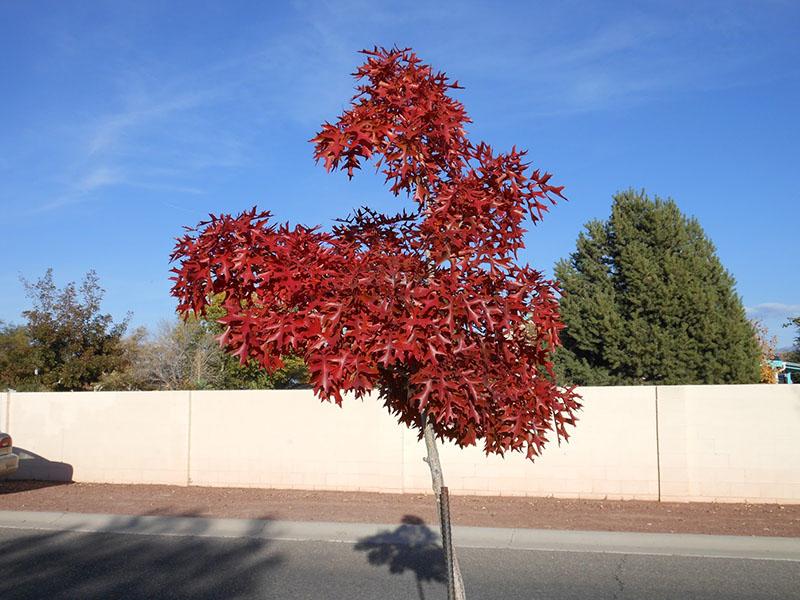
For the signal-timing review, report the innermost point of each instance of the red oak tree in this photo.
(429, 306)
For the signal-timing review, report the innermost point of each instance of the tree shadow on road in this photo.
(413, 546)
(149, 564)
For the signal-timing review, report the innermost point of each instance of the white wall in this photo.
(289, 439)
(4, 404)
(722, 443)
(112, 437)
(611, 453)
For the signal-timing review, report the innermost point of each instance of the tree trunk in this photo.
(438, 481)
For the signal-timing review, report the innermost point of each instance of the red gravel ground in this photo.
(295, 505)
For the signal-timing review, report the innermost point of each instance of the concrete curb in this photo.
(659, 544)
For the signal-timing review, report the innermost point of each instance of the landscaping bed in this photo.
(482, 511)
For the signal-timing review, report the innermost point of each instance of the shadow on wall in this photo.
(33, 466)
(63, 565)
(413, 547)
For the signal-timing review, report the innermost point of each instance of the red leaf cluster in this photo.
(429, 307)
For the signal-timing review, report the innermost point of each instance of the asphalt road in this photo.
(160, 563)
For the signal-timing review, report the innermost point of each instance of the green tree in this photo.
(647, 301)
(17, 359)
(129, 374)
(237, 376)
(74, 345)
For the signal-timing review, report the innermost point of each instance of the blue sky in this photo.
(124, 121)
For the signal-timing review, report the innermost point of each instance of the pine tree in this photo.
(647, 301)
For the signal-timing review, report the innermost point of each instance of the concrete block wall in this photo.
(289, 439)
(611, 453)
(5, 398)
(111, 437)
(729, 443)
(683, 443)
(257, 439)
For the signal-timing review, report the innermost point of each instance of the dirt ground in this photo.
(295, 505)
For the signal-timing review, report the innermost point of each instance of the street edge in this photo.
(547, 540)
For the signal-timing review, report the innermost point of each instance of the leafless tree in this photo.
(182, 355)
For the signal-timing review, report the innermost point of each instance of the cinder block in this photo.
(721, 442)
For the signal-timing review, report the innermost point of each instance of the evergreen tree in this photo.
(647, 301)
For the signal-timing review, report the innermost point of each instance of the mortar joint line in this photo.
(189, 444)
(658, 449)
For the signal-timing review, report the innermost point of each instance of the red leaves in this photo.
(428, 306)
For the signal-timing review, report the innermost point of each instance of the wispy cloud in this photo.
(109, 130)
(169, 126)
(174, 131)
(773, 310)
(103, 177)
(607, 59)
(97, 178)
(159, 140)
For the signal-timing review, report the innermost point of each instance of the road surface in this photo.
(144, 558)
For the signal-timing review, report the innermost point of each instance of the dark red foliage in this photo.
(430, 306)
